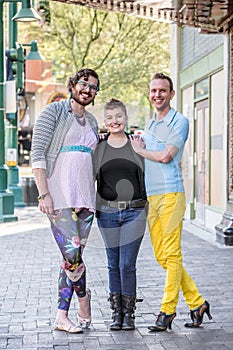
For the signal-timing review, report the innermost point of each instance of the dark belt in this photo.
(122, 205)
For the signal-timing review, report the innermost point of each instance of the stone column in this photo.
(224, 230)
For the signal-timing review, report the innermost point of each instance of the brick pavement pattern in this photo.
(29, 261)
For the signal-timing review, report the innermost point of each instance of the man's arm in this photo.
(46, 202)
(164, 156)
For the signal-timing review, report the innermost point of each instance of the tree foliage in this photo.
(125, 51)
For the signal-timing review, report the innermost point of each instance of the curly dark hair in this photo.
(165, 77)
(82, 73)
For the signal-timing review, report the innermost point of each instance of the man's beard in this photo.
(82, 103)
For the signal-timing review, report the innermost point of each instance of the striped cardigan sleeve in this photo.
(43, 132)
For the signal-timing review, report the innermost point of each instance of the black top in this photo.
(119, 172)
(119, 177)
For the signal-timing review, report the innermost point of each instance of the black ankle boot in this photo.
(197, 315)
(163, 321)
(128, 308)
(115, 303)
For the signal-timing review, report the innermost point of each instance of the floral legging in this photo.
(71, 230)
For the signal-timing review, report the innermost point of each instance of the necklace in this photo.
(117, 142)
(81, 119)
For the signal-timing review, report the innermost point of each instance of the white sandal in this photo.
(85, 321)
(72, 328)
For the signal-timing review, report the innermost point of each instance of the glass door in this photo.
(202, 160)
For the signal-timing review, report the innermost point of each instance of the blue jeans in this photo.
(122, 232)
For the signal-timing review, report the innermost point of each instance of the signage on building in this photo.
(57, 96)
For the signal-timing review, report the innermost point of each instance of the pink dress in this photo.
(71, 184)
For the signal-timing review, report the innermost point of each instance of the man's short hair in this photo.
(164, 77)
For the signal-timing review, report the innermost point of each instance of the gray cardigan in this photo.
(50, 129)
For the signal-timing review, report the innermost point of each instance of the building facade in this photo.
(200, 67)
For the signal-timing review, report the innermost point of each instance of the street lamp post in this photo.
(11, 125)
(7, 197)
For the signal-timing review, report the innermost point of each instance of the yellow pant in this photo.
(165, 220)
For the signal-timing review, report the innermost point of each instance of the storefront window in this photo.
(187, 160)
(202, 89)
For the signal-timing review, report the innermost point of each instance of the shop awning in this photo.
(209, 16)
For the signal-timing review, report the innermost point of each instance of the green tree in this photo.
(124, 50)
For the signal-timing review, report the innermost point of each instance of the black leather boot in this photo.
(115, 302)
(128, 308)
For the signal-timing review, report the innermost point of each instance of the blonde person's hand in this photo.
(137, 142)
(102, 136)
(46, 205)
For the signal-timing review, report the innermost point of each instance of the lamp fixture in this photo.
(27, 13)
(33, 53)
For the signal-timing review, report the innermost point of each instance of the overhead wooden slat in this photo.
(212, 16)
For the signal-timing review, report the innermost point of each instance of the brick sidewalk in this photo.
(29, 268)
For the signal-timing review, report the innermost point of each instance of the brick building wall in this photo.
(230, 108)
(196, 45)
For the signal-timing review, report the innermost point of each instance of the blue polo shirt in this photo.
(172, 130)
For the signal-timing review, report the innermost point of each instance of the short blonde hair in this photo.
(114, 103)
